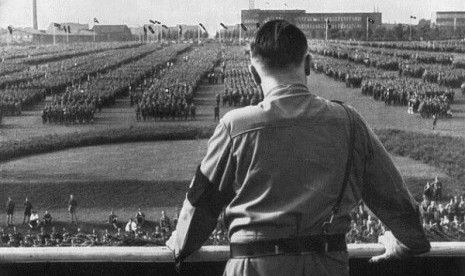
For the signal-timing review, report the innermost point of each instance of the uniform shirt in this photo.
(278, 168)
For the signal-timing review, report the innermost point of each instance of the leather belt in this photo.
(289, 246)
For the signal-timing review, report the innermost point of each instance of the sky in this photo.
(133, 13)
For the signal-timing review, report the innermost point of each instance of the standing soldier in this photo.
(27, 210)
(72, 204)
(192, 109)
(137, 112)
(113, 219)
(435, 120)
(218, 98)
(165, 223)
(140, 218)
(288, 204)
(217, 113)
(10, 209)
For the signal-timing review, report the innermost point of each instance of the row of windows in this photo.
(450, 24)
(331, 18)
(323, 26)
(447, 20)
(272, 18)
(450, 15)
(22, 36)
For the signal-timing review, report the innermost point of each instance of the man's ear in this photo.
(308, 59)
(255, 75)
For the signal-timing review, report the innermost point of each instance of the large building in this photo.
(452, 21)
(312, 24)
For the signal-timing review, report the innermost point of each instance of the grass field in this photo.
(155, 175)
(124, 177)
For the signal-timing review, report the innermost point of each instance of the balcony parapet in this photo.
(164, 255)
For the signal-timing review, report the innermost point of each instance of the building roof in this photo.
(458, 12)
(111, 29)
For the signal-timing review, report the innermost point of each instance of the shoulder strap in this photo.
(348, 167)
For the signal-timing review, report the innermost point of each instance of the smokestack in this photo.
(34, 15)
(251, 4)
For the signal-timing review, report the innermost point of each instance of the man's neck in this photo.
(280, 79)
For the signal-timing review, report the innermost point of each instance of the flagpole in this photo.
(326, 22)
(240, 34)
(410, 38)
(368, 26)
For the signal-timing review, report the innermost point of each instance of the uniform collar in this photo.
(286, 90)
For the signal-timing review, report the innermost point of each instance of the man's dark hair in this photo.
(278, 44)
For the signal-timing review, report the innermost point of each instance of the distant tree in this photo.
(399, 32)
(379, 33)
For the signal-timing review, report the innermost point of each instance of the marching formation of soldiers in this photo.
(165, 110)
(71, 113)
(239, 88)
(10, 107)
(424, 88)
(169, 92)
(72, 107)
(426, 99)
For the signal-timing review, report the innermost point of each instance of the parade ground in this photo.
(155, 175)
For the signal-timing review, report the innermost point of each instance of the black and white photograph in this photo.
(246, 137)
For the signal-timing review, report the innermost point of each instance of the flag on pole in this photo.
(328, 23)
(151, 29)
(203, 27)
(222, 25)
(69, 29)
(65, 29)
(413, 17)
(164, 26)
(10, 30)
(56, 25)
(96, 21)
(243, 27)
(180, 30)
(155, 22)
(371, 20)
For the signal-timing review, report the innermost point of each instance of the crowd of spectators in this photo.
(136, 231)
(442, 221)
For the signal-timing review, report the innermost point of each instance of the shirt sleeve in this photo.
(210, 190)
(387, 196)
